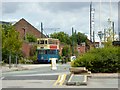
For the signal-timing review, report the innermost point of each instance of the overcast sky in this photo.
(63, 15)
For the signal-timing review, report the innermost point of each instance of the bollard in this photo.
(53, 64)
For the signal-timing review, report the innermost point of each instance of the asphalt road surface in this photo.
(44, 77)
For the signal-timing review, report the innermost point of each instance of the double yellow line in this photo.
(60, 80)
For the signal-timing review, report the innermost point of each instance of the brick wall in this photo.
(81, 49)
(26, 49)
(22, 26)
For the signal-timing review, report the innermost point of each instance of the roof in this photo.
(30, 25)
(3, 22)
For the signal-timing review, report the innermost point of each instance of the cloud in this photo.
(61, 15)
(10, 7)
(64, 6)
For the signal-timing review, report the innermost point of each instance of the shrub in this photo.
(104, 60)
(31, 38)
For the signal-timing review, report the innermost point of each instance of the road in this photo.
(64, 68)
(44, 77)
(41, 77)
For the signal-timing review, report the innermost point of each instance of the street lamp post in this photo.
(72, 42)
(100, 34)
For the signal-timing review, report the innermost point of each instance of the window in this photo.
(45, 41)
(38, 41)
(45, 51)
(41, 41)
(42, 52)
(50, 42)
(56, 42)
(52, 52)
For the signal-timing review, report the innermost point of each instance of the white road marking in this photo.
(43, 74)
(70, 78)
(62, 77)
(85, 78)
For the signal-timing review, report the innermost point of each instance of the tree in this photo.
(31, 38)
(81, 38)
(72, 41)
(11, 43)
(62, 36)
(65, 38)
(66, 52)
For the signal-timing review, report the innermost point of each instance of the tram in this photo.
(47, 48)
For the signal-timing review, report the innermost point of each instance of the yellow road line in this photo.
(57, 80)
(64, 77)
(60, 80)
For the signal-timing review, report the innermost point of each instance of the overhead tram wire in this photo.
(46, 33)
(44, 30)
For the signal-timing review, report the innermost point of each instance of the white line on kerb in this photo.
(70, 78)
(46, 74)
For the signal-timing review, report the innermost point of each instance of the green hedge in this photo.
(105, 60)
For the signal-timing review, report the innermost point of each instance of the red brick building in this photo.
(81, 48)
(24, 27)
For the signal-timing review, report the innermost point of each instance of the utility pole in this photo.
(90, 21)
(94, 37)
(119, 21)
(113, 30)
(41, 30)
(75, 36)
(72, 41)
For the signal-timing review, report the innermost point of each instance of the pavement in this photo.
(102, 75)
(92, 83)
(21, 67)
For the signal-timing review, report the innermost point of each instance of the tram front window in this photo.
(42, 51)
(52, 51)
(41, 41)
